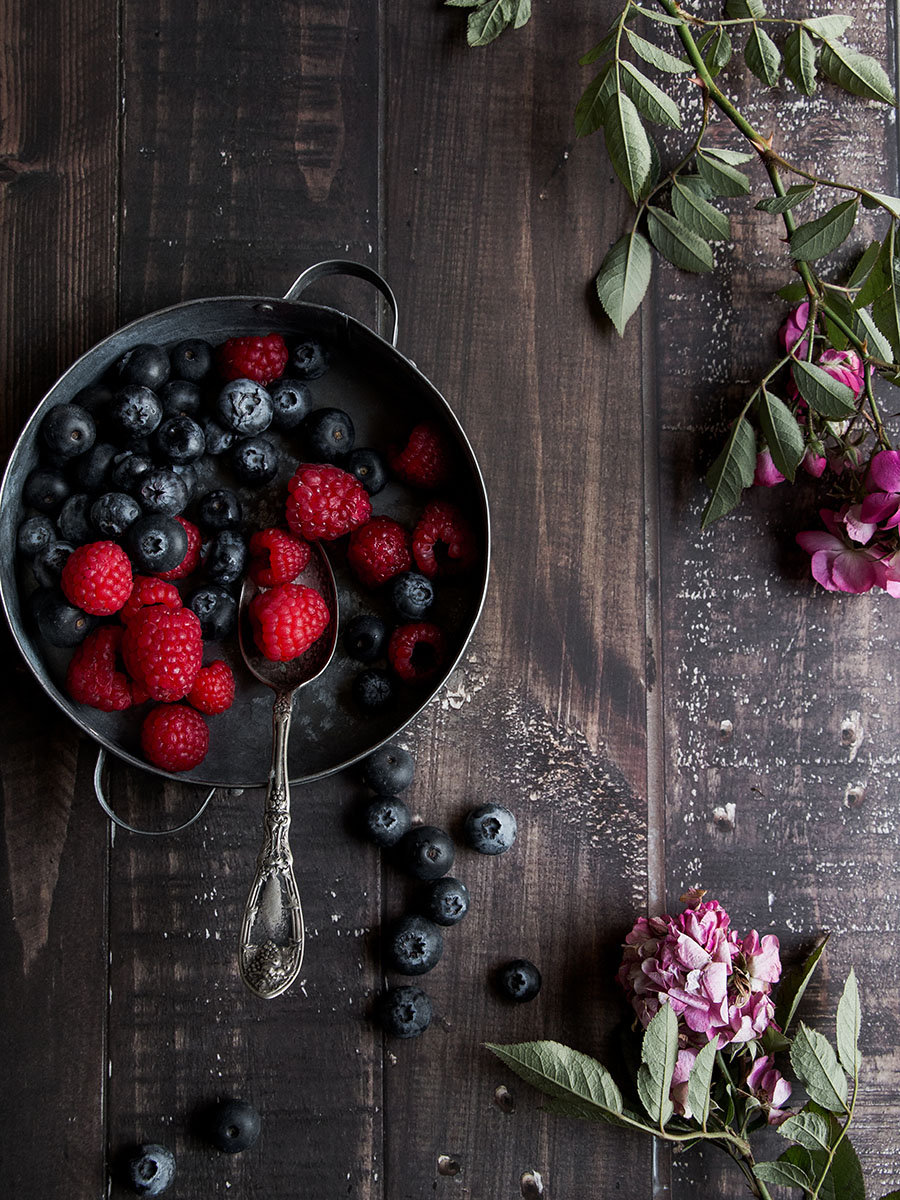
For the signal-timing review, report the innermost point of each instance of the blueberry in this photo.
(113, 512)
(134, 413)
(35, 534)
(425, 852)
(385, 820)
(45, 489)
(446, 901)
(519, 980)
(216, 609)
(291, 402)
(365, 638)
(149, 1169)
(179, 439)
(59, 622)
(404, 1012)
(156, 543)
(231, 1125)
(179, 396)
(187, 473)
(49, 562)
(217, 439)
(191, 360)
(162, 491)
(328, 433)
(74, 520)
(144, 365)
(368, 467)
(490, 829)
(90, 471)
(372, 689)
(255, 461)
(94, 397)
(219, 509)
(244, 407)
(389, 770)
(68, 430)
(309, 360)
(412, 945)
(226, 556)
(128, 470)
(411, 595)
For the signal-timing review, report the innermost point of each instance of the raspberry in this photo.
(287, 620)
(148, 591)
(93, 676)
(417, 651)
(97, 578)
(174, 737)
(325, 502)
(426, 460)
(163, 651)
(378, 551)
(276, 556)
(191, 560)
(260, 358)
(213, 690)
(444, 542)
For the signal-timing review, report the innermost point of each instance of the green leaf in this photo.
(723, 179)
(676, 242)
(699, 1083)
(624, 277)
(807, 1128)
(856, 73)
(662, 17)
(740, 9)
(886, 316)
(800, 56)
(656, 56)
(782, 433)
(843, 1179)
(833, 25)
(782, 1174)
(796, 194)
(649, 99)
(659, 1050)
(880, 200)
(792, 292)
(522, 13)
(895, 1195)
(841, 307)
(849, 1019)
(774, 1041)
(819, 237)
(695, 211)
(869, 332)
(864, 264)
(732, 471)
(655, 168)
(763, 57)
(604, 46)
(716, 48)
(563, 1073)
(881, 276)
(590, 109)
(816, 1066)
(627, 144)
(463, 3)
(795, 982)
(488, 22)
(824, 394)
(733, 157)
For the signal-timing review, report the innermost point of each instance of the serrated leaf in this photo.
(627, 144)
(716, 48)
(840, 306)
(774, 1041)
(649, 99)
(833, 25)
(868, 331)
(521, 13)
(859, 74)
(886, 316)
(740, 9)
(732, 471)
(849, 1019)
(488, 22)
(817, 238)
(864, 264)
(695, 211)
(783, 1174)
(782, 433)
(881, 276)
(792, 292)
(733, 157)
(604, 46)
(700, 1082)
(800, 59)
(763, 57)
(795, 982)
(806, 1128)
(796, 194)
(662, 17)
(463, 3)
(659, 1050)
(624, 277)
(895, 1195)
(677, 243)
(880, 200)
(816, 1066)
(590, 109)
(656, 56)
(842, 1179)
(824, 394)
(723, 179)
(655, 169)
(563, 1073)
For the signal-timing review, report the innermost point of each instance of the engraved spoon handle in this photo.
(272, 933)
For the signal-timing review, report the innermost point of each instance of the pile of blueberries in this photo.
(414, 943)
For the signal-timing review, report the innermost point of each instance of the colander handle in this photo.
(341, 266)
(105, 805)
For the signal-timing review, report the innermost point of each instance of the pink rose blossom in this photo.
(770, 1087)
(766, 474)
(841, 561)
(846, 367)
(791, 332)
(678, 1093)
(882, 505)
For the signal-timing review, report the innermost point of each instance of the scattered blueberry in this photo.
(144, 365)
(191, 360)
(161, 490)
(368, 467)
(219, 509)
(35, 534)
(446, 901)
(309, 360)
(404, 1012)
(179, 396)
(217, 439)
(45, 489)
(179, 439)
(389, 770)
(74, 520)
(134, 413)
(328, 433)
(49, 562)
(385, 820)
(187, 473)
(156, 543)
(113, 512)
(425, 852)
(490, 829)
(68, 430)
(90, 471)
(412, 595)
(148, 1170)
(226, 556)
(255, 461)
(372, 689)
(519, 980)
(59, 622)
(291, 402)
(128, 470)
(216, 609)
(245, 407)
(231, 1125)
(365, 638)
(412, 945)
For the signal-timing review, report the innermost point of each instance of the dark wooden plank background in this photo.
(157, 151)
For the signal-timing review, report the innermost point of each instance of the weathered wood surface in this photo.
(157, 152)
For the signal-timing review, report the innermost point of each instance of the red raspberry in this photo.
(444, 543)
(163, 651)
(260, 358)
(145, 592)
(379, 550)
(417, 651)
(93, 676)
(174, 737)
(97, 578)
(213, 690)
(276, 556)
(191, 560)
(287, 620)
(325, 502)
(426, 461)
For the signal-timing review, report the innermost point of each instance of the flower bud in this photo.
(766, 474)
